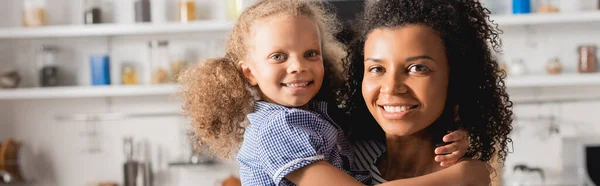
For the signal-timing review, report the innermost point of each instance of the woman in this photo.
(416, 70)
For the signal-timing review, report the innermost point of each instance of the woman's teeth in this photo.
(396, 108)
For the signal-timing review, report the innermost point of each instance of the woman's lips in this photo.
(396, 112)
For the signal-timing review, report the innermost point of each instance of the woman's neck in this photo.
(407, 157)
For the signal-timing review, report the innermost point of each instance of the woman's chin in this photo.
(398, 128)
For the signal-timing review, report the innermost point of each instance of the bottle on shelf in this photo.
(186, 10)
(142, 11)
(93, 12)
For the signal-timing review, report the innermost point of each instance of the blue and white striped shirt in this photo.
(280, 140)
(367, 153)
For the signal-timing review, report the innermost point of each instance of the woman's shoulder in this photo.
(476, 172)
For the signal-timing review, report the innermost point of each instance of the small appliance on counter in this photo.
(580, 159)
(592, 153)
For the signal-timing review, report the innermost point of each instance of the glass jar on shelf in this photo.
(129, 74)
(178, 63)
(34, 13)
(159, 62)
(93, 12)
(48, 69)
(186, 10)
(547, 6)
(235, 7)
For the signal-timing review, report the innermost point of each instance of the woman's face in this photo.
(405, 79)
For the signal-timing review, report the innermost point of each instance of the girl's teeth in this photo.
(297, 85)
(396, 108)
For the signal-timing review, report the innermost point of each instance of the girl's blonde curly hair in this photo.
(217, 97)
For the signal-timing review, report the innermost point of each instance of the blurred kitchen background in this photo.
(87, 92)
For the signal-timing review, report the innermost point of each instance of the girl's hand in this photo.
(450, 154)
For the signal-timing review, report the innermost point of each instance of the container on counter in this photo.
(159, 62)
(186, 10)
(100, 67)
(93, 12)
(521, 6)
(47, 67)
(588, 61)
(34, 13)
(142, 11)
(130, 166)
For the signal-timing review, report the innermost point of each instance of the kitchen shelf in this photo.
(553, 80)
(525, 81)
(87, 92)
(114, 29)
(546, 18)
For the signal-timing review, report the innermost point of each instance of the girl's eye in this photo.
(418, 68)
(278, 57)
(376, 70)
(311, 54)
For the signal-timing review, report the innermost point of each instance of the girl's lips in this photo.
(298, 88)
(297, 83)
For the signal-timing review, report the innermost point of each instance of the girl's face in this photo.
(285, 60)
(405, 78)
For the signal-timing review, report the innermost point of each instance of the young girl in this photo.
(281, 74)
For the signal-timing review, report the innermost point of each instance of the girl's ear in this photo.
(247, 72)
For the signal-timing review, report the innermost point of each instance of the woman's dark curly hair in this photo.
(476, 83)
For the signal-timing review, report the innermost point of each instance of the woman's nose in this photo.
(394, 84)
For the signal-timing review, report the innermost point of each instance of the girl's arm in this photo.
(466, 172)
(323, 173)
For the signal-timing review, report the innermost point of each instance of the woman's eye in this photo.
(376, 70)
(278, 57)
(418, 68)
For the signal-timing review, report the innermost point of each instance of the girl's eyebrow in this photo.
(376, 60)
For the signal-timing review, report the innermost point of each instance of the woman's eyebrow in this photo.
(409, 59)
(414, 58)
